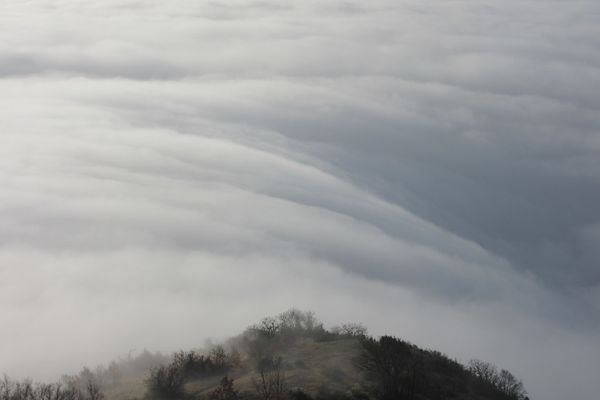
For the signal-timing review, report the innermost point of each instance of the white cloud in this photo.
(217, 162)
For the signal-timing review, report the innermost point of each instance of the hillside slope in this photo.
(293, 356)
(307, 364)
(287, 357)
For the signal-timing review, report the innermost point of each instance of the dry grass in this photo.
(307, 364)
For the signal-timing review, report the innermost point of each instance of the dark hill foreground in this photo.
(293, 357)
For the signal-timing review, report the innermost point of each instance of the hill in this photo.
(290, 356)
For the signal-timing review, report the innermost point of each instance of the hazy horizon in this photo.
(174, 171)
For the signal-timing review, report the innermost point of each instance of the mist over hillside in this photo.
(287, 357)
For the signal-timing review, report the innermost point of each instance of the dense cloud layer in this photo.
(173, 171)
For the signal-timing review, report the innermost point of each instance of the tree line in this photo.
(79, 387)
(402, 371)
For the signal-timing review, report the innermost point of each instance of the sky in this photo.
(173, 171)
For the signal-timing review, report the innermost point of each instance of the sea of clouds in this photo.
(172, 171)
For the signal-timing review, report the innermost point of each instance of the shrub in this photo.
(225, 391)
(166, 381)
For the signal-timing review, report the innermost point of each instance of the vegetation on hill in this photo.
(287, 357)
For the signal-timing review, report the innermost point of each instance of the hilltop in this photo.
(290, 356)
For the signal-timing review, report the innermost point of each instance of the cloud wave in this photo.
(168, 164)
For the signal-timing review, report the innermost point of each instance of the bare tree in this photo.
(11, 390)
(166, 381)
(270, 381)
(26, 390)
(503, 381)
(511, 386)
(219, 358)
(93, 390)
(269, 327)
(484, 371)
(353, 330)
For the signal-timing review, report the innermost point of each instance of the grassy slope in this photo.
(307, 364)
(128, 388)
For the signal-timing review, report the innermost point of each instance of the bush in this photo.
(166, 381)
(225, 391)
